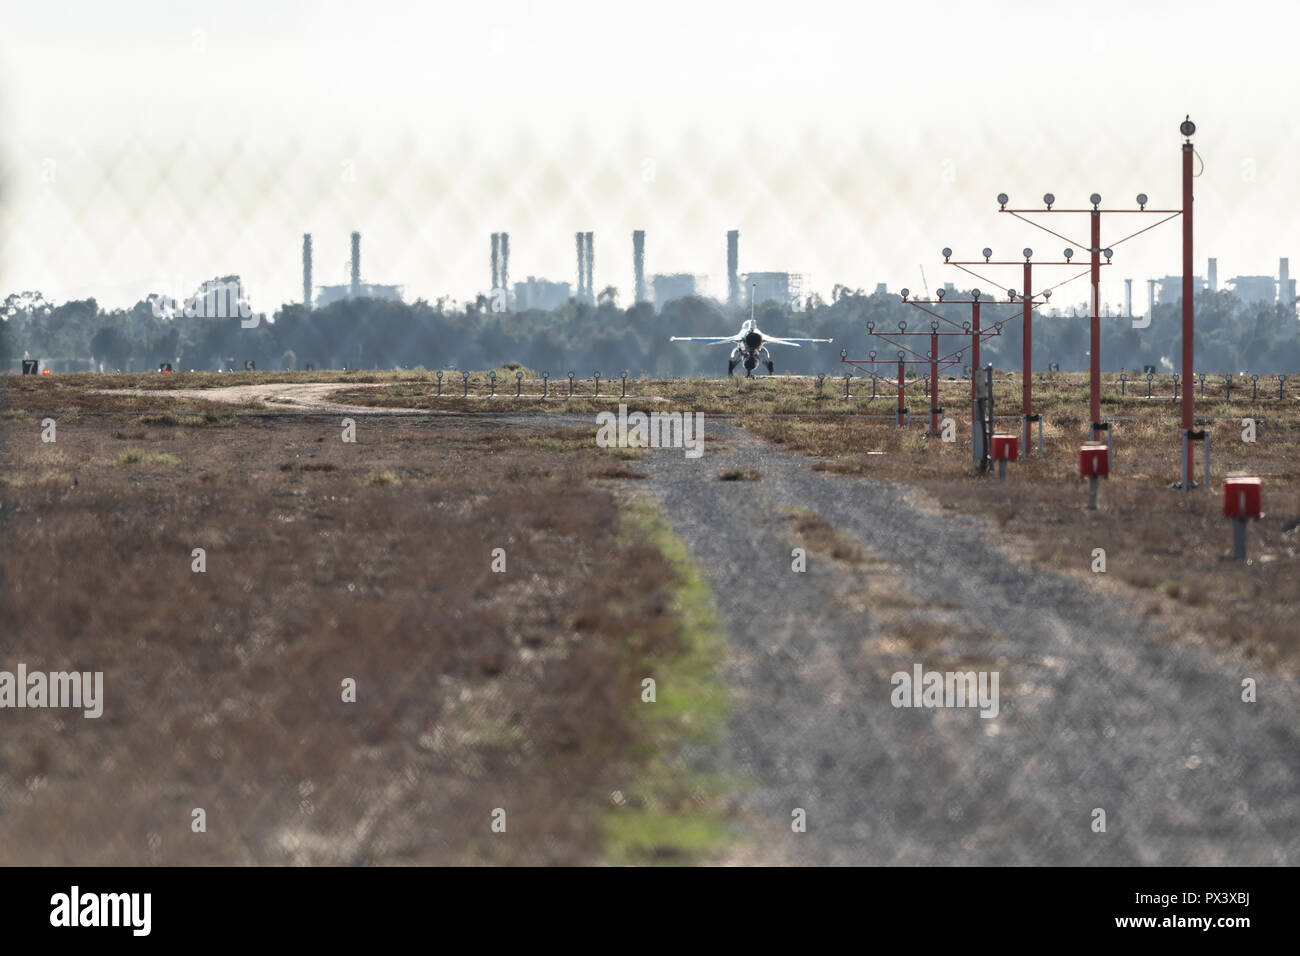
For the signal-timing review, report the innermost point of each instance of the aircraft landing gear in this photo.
(771, 368)
(731, 369)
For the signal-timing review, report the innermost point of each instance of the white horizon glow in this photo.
(151, 150)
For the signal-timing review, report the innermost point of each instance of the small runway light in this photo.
(946, 253)
(1048, 199)
(1011, 295)
(904, 293)
(1142, 200)
(1095, 199)
(1069, 254)
(1028, 253)
(975, 294)
(988, 253)
(1107, 253)
(1047, 293)
(1187, 127)
(1002, 200)
(939, 293)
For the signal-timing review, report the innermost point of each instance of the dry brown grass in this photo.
(325, 561)
(27, 397)
(814, 534)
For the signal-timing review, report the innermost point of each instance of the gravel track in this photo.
(1097, 711)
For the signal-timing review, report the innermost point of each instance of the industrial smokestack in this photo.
(1128, 298)
(1213, 272)
(306, 269)
(505, 268)
(356, 264)
(1151, 298)
(1285, 294)
(638, 265)
(591, 270)
(496, 262)
(582, 267)
(733, 268)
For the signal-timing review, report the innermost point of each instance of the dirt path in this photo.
(1095, 710)
(289, 396)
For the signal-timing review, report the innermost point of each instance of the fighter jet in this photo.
(750, 345)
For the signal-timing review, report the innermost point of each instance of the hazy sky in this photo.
(152, 149)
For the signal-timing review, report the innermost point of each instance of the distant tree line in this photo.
(379, 334)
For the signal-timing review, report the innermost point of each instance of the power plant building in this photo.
(1250, 290)
(1170, 288)
(534, 293)
(1254, 290)
(676, 285)
(780, 287)
(327, 294)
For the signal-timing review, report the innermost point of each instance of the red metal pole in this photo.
(934, 383)
(1027, 378)
(1094, 331)
(1189, 298)
(974, 352)
(901, 385)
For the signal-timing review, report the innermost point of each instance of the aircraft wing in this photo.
(768, 340)
(708, 340)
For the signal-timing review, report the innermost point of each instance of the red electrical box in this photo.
(1094, 461)
(1242, 498)
(1006, 447)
